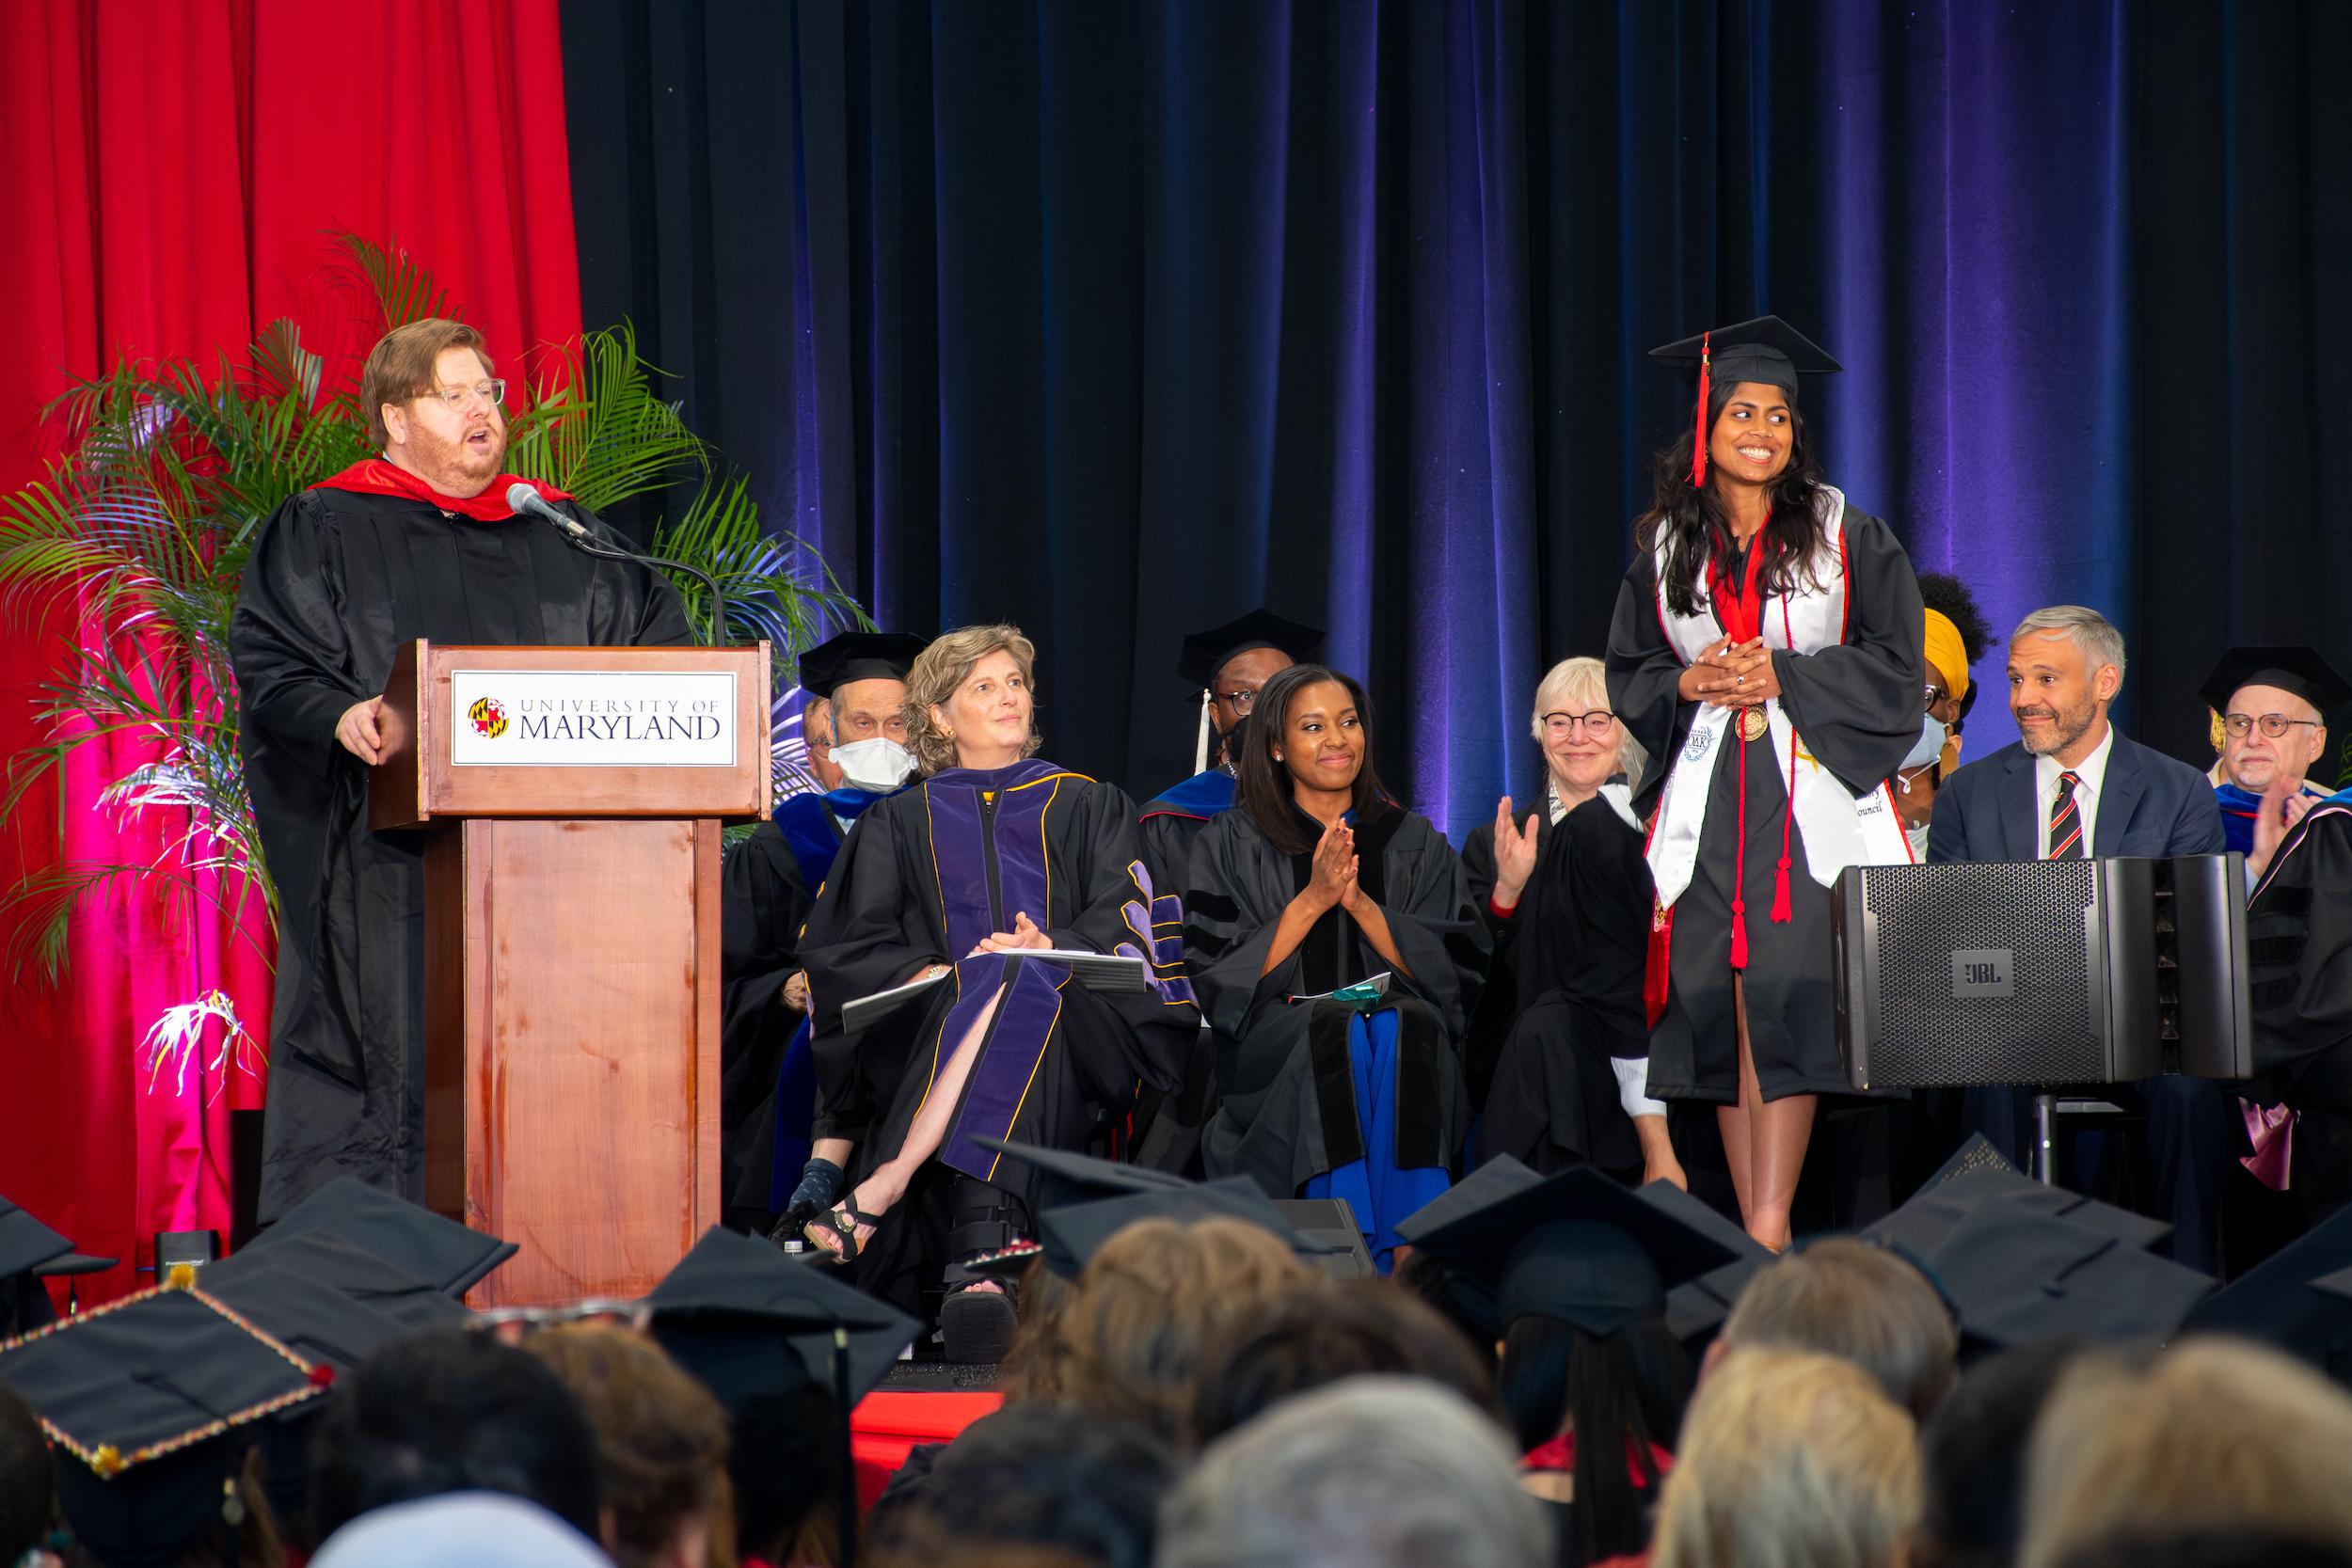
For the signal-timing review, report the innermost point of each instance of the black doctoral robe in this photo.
(1289, 1111)
(338, 583)
(1565, 995)
(926, 874)
(764, 900)
(2299, 942)
(1856, 707)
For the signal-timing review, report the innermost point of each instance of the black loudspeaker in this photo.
(1330, 1224)
(2042, 971)
(194, 1247)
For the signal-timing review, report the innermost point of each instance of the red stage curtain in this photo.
(171, 174)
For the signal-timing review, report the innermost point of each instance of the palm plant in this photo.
(137, 539)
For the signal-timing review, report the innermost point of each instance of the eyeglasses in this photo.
(459, 398)
(1598, 722)
(2274, 724)
(1240, 701)
(1935, 694)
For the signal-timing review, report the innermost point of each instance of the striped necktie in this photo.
(2066, 822)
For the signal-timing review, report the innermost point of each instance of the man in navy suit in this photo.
(2071, 788)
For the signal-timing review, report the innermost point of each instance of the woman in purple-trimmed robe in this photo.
(995, 854)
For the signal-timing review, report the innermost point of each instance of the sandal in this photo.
(840, 1222)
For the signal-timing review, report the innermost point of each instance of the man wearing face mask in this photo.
(855, 728)
(1955, 639)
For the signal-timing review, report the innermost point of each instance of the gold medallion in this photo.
(1751, 723)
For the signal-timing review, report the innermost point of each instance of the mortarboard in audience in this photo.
(30, 1252)
(2017, 1276)
(2299, 1299)
(399, 1257)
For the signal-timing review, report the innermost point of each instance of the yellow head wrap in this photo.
(1946, 654)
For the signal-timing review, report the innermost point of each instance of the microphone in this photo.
(524, 500)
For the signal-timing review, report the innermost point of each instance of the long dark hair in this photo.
(1619, 1393)
(1694, 524)
(1266, 792)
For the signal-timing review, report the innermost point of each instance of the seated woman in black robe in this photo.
(1319, 883)
(1559, 1044)
(996, 854)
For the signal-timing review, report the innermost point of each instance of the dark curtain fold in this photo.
(1115, 320)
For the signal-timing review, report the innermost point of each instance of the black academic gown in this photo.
(1855, 706)
(2298, 940)
(1289, 1109)
(338, 584)
(926, 874)
(764, 900)
(1564, 994)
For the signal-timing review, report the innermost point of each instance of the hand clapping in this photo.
(1515, 854)
(1333, 884)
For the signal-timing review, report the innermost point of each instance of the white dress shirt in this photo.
(2090, 776)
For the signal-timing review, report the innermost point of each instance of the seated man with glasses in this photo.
(2270, 727)
(416, 543)
(1559, 1045)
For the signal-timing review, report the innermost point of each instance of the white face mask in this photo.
(1926, 749)
(874, 766)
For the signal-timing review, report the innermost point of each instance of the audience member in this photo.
(1373, 1472)
(2214, 1434)
(1066, 1479)
(662, 1443)
(784, 1466)
(1859, 1302)
(452, 1410)
(1127, 1339)
(462, 1529)
(1972, 1458)
(28, 1495)
(1788, 1460)
(2243, 1547)
(1318, 1333)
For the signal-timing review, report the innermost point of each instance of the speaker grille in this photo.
(2044, 1033)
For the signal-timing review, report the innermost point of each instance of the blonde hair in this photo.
(1586, 681)
(946, 665)
(1788, 1460)
(2214, 1434)
(400, 367)
(1126, 1338)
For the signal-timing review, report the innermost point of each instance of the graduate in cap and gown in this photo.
(1766, 647)
(419, 543)
(1559, 1043)
(1229, 664)
(2270, 709)
(960, 884)
(855, 728)
(1571, 1274)
(1334, 945)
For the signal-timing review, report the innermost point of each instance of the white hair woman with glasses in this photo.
(1559, 1045)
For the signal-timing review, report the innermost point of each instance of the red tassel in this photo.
(1657, 963)
(1788, 809)
(1780, 893)
(1699, 432)
(1739, 934)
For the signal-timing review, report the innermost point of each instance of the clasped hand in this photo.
(1336, 863)
(1731, 675)
(1024, 934)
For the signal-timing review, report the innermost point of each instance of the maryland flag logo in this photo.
(489, 718)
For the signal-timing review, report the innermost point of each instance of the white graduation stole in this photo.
(1841, 829)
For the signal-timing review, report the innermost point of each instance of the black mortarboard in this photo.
(1499, 1178)
(156, 1397)
(400, 1257)
(1073, 1233)
(1576, 1246)
(29, 1253)
(2294, 1299)
(307, 1316)
(1698, 1307)
(2017, 1276)
(751, 1320)
(859, 655)
(1063, 1177)
(1205, 652)
(2299, 670)
(1766, 349)
(1920, 1226)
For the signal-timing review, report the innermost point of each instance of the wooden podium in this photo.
(572, 799)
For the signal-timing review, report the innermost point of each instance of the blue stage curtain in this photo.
(1114, 318)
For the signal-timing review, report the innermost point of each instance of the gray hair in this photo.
(1586, 681)
(2090, 632)
(1368, 1473)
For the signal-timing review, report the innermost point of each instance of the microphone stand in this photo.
(520, 498)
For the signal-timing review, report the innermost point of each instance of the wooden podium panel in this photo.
(571, 972)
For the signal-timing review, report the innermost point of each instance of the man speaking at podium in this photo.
(2073, 787)
(419, 543)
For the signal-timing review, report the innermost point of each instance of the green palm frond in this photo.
(598, 428)
(404, 292)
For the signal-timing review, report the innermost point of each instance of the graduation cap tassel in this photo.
(1698, 433)
(1781, 911)
(1200, 745)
